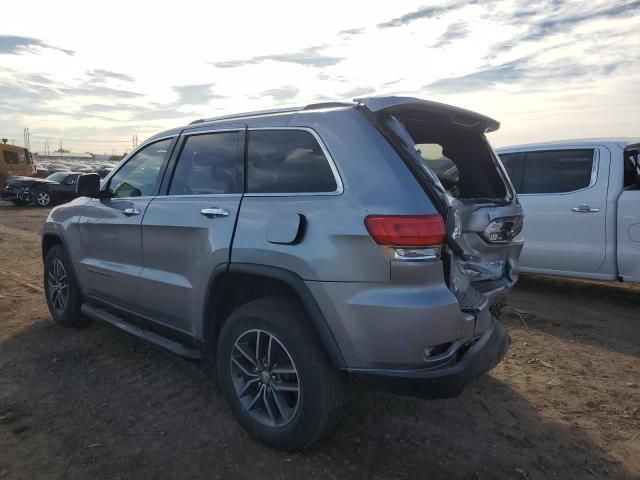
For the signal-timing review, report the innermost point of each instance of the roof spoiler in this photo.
(458, 116)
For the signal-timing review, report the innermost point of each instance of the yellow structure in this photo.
(15, 161)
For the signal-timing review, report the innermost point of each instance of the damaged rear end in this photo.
(447, 151)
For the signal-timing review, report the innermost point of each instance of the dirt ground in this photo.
(97, 403)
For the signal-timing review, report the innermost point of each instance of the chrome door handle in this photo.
(585, 209)
(214, 212)
(130, 211)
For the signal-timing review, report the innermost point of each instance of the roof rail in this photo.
(259, 113)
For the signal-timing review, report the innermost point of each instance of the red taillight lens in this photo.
(406, 230)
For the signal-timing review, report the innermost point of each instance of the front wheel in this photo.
(276, 376)
(61, 292)
(42, 198)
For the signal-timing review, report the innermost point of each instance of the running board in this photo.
(175, 347)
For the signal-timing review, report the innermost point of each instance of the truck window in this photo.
(557, 171)
(631, 170)
(287, 161)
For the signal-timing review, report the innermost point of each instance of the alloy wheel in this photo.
(265, 378)
(43, 199)
(58, 286)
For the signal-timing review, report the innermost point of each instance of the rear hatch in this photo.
(446, 149)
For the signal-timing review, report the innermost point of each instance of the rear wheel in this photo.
(61, 292)
(276, 375)
(42, 198)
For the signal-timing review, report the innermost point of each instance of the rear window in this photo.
(460, 157)
(287, 161)
(557, 171)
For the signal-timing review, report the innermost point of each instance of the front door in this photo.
(563, 193)
(187, 231)
(111, 231)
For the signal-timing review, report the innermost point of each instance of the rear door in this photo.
(563, 192)
(629, 217)
(187, 231)
(110, 228)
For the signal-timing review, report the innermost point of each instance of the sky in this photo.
(94, 74)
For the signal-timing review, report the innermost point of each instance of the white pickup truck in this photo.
(581, 203)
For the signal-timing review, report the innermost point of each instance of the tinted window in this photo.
(208, 164)
(141, 175)
(287, 161)
(631, 169)
(557, 171)
(11, 157)
(509, 162)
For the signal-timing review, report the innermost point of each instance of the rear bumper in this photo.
(449, 381)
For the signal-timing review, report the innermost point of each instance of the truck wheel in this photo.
(276, 376)
(42, 198)
(62, 294)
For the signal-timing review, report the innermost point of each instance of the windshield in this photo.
(57, 177)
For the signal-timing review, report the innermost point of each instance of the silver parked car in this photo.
(299, 248)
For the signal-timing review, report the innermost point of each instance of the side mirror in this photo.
(88, 185)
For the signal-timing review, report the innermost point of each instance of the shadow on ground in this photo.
(96, 403)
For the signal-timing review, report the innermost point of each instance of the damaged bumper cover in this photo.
(470, 361)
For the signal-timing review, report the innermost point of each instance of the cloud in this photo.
(524, 74)
(357, 92)
(455, 31)
(508, 72)
(89, 90)
(286, 92)
(351, 32)
(424, 12)
(310, 57)
(37, 78)
(562, 23)
(99, 76)
(15, 45)
(195, 94)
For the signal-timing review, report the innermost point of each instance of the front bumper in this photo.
(11, 193)
(471, 361)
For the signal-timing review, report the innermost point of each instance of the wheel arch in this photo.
(51, 239)
(234, 284)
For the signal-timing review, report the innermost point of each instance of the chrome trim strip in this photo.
(334, 169)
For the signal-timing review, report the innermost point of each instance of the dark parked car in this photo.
(56, 188)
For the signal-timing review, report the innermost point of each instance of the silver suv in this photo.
(300, 248)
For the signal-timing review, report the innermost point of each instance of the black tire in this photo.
(67, 312)
(323, 389)
(42, 198)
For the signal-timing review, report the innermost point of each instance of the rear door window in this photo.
(209, 164)
(557, 171)
(287, 161)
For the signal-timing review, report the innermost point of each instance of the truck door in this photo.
(563, 193)
(187, 230)
(629, 218)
